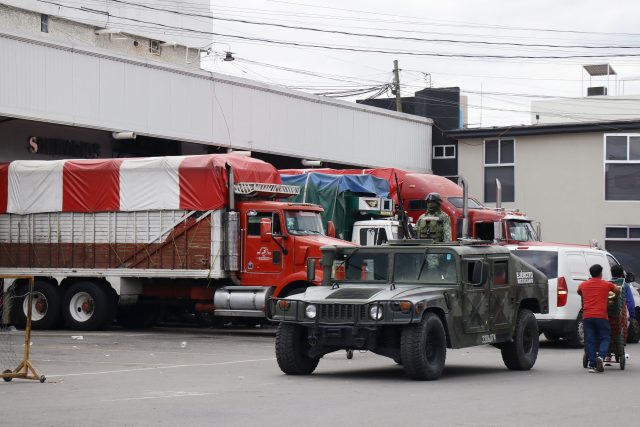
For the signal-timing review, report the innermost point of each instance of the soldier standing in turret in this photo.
(434, 224)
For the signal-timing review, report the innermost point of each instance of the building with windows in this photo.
(122, 79)
(146, 30)
(447, 108)
(581, 181)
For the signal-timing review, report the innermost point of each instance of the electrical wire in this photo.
(353, 48)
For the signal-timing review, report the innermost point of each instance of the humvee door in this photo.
(475, 299)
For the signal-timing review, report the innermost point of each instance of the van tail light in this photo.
(563, 291)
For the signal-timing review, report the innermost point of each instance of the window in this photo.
(44, 23)
(154, 47)
(624, 243)
(545, 261)
(444, 151)
(427, 268)
(500, 273)
(361, 266)
(254, 218)
(373, 236)
(499, 162)
(622, 167)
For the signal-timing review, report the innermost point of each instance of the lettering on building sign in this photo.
(264, 254)
(63, 147)
(524, 277)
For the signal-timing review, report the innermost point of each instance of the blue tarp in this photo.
(354, 183)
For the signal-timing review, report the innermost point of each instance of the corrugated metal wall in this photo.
(54, 83)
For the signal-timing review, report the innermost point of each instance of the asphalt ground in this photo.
(229, 377)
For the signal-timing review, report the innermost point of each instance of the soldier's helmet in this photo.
(434, 198)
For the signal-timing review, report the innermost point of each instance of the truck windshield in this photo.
(521, 231)
(427, 268)
(302, 223)
(360, 266)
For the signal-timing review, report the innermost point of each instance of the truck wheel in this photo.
(291, 349)
(423, 348)
(139, 316)
(87, 306)
(633, 333)
(521, 353)
(45, 306)
(575, 339)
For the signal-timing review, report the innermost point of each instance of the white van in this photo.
(566, 266)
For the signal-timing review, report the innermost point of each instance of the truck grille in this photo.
(339, 312)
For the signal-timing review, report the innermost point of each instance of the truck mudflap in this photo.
(242, 301)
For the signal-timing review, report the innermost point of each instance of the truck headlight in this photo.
(375, 312)
(310, 311)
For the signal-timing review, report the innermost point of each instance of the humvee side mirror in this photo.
(311, 269)
(331, 229)
(265, 229)
(480, 273)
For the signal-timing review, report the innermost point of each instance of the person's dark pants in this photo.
(596, 331)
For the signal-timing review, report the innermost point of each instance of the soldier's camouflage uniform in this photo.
(434, 225)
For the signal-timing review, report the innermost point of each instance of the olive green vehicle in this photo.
(410, 302)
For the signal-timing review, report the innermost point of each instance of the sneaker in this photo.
(592, 370)
(607, 359)
(599, 364)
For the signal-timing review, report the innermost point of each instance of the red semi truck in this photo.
(466, 213)
(122, 237)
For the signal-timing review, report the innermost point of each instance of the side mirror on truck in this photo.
(265, 229)
(311, 269)
(331, 229)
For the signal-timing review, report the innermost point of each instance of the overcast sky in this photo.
(591, 23)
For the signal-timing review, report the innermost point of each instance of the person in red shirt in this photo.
(595, 296)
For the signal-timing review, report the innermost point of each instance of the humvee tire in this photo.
(423, 348)
(291, 346)
(521, 353)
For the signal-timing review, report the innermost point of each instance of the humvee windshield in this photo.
(360, 266)
(427, 268)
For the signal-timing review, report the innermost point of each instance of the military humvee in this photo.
(410, 302)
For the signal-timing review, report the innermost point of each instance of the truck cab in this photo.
(504, 226)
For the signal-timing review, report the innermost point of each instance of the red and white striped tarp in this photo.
(151, 183)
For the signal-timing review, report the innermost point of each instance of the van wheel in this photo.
(575, 339)
(550, 336)
(633, 333)
(423, 348)
(45, 305)
(521, 353)
(291, 350)
(87, 306)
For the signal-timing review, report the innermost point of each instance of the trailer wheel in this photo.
(291, 350)
(521, 353)
(87, 306)
(423, 348)
(7, 371)
(45, 305)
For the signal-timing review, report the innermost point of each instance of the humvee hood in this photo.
(366, 293)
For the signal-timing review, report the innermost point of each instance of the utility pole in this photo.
(396, 85)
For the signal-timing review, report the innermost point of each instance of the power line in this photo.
(379, 36)
(353, 48)
(459, 24)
